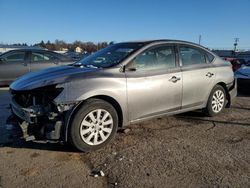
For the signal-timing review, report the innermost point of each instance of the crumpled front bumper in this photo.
(27, 114)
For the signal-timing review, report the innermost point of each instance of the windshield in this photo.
(110, 56)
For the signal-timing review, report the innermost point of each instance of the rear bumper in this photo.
(232, 91)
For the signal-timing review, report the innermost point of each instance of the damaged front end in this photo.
(37, 109)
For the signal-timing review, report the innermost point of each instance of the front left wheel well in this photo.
(70, 114)
(115, 104)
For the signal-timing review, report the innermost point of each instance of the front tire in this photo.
(94, 125)
(216, 101)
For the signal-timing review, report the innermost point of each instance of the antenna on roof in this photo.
(199, 39)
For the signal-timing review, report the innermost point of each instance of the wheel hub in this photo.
(218, 101)
(96, 127)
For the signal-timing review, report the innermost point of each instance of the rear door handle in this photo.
(209, 74)
(174, 79)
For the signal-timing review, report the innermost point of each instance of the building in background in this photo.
(78, 49)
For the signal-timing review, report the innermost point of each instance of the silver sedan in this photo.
(85, 103)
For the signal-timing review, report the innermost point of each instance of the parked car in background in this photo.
(225, 53)
(75, 55)
(236, 63)
(15, 63)
(243, 77)
(244, 56)
(85, 103)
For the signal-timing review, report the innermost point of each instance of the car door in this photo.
(13, 64)
(41, 60)
(154, 83)
(198, 75)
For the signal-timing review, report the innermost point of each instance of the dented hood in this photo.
(51, 76)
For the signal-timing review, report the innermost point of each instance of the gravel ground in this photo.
(186, 150)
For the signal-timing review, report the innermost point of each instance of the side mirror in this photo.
(125, 68)
(131, 67)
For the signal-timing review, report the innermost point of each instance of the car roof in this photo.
(30, 49)
(146, 42)
(159, 40)
(61, 56)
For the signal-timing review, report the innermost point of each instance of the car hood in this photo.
(243, 72)
(50, 76)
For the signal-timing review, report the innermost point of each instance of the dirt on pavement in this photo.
(186, 150)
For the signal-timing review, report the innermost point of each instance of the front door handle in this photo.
(209, 74)
(174, 79)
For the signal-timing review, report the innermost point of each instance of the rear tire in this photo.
(216, 101)
(93, 126)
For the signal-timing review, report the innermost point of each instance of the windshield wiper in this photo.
(81, 65)
(76, 64)
(90, 66)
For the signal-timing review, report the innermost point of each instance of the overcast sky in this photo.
(218, 21)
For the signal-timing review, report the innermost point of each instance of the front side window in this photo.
(159, 58)
(15, 57)
(191, 56)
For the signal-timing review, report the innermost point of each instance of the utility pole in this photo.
(236, 40)
(199, 39)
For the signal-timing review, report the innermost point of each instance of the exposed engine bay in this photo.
(37, 108)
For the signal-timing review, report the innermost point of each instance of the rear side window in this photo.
(191, 56)
(15, 57)
(210, 57)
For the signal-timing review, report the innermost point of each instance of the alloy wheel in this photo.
(218, 101)
(96, 127)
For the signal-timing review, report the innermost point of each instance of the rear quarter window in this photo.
(210, 57)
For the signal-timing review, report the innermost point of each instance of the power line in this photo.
(236, 40)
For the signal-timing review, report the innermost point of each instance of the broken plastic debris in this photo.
(30, 138)
(121, 158)
(102, 173)
(126, 130)
(98, 173)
